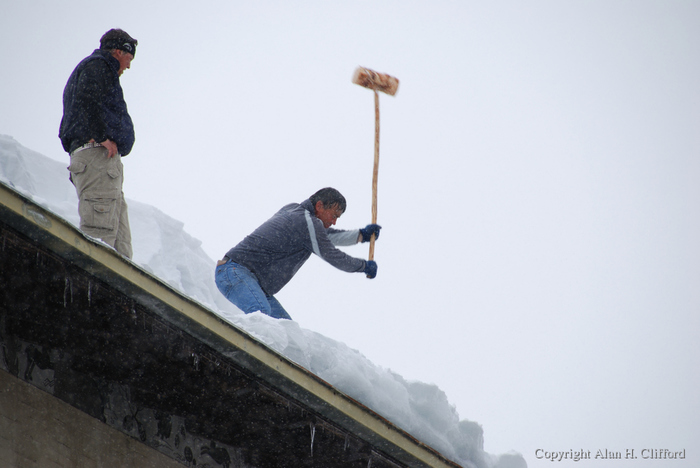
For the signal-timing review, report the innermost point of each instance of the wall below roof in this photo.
(40, 431)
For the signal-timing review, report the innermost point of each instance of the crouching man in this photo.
(253, 271)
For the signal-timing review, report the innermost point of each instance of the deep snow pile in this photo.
(162, 247)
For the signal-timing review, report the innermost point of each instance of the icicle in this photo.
(65, 294)
(313, 434)
(347, 442)
(369, 462)
(196, 361)
(89, 293)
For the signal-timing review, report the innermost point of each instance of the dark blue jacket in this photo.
(276, 250)
(94, 107)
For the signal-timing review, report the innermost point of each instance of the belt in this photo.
(92, 144)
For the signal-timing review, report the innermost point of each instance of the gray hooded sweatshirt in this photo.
(276, 250)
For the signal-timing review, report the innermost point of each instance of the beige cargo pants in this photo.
(103, 212)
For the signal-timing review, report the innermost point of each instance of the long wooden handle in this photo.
(375, 175)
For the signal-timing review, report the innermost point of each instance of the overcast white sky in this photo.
(538, 185)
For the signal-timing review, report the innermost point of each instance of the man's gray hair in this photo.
(329, 197)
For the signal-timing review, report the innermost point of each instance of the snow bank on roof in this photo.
(162, 247)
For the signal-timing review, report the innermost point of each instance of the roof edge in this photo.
(58, 235)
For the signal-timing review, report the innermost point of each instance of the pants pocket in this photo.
(98, 211)
(77, 169)
(115, 170)
(77, 166)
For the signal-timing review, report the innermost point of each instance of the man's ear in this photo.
(318, 206)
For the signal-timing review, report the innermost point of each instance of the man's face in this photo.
(124, 59)
(328, 216)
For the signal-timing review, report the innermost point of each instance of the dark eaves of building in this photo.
(103, 364)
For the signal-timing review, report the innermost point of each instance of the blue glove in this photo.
(371, 269)
(369, 230)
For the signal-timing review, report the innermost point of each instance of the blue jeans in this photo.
(241, 287)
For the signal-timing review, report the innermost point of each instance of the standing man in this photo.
(97, 131)
(262, 263)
